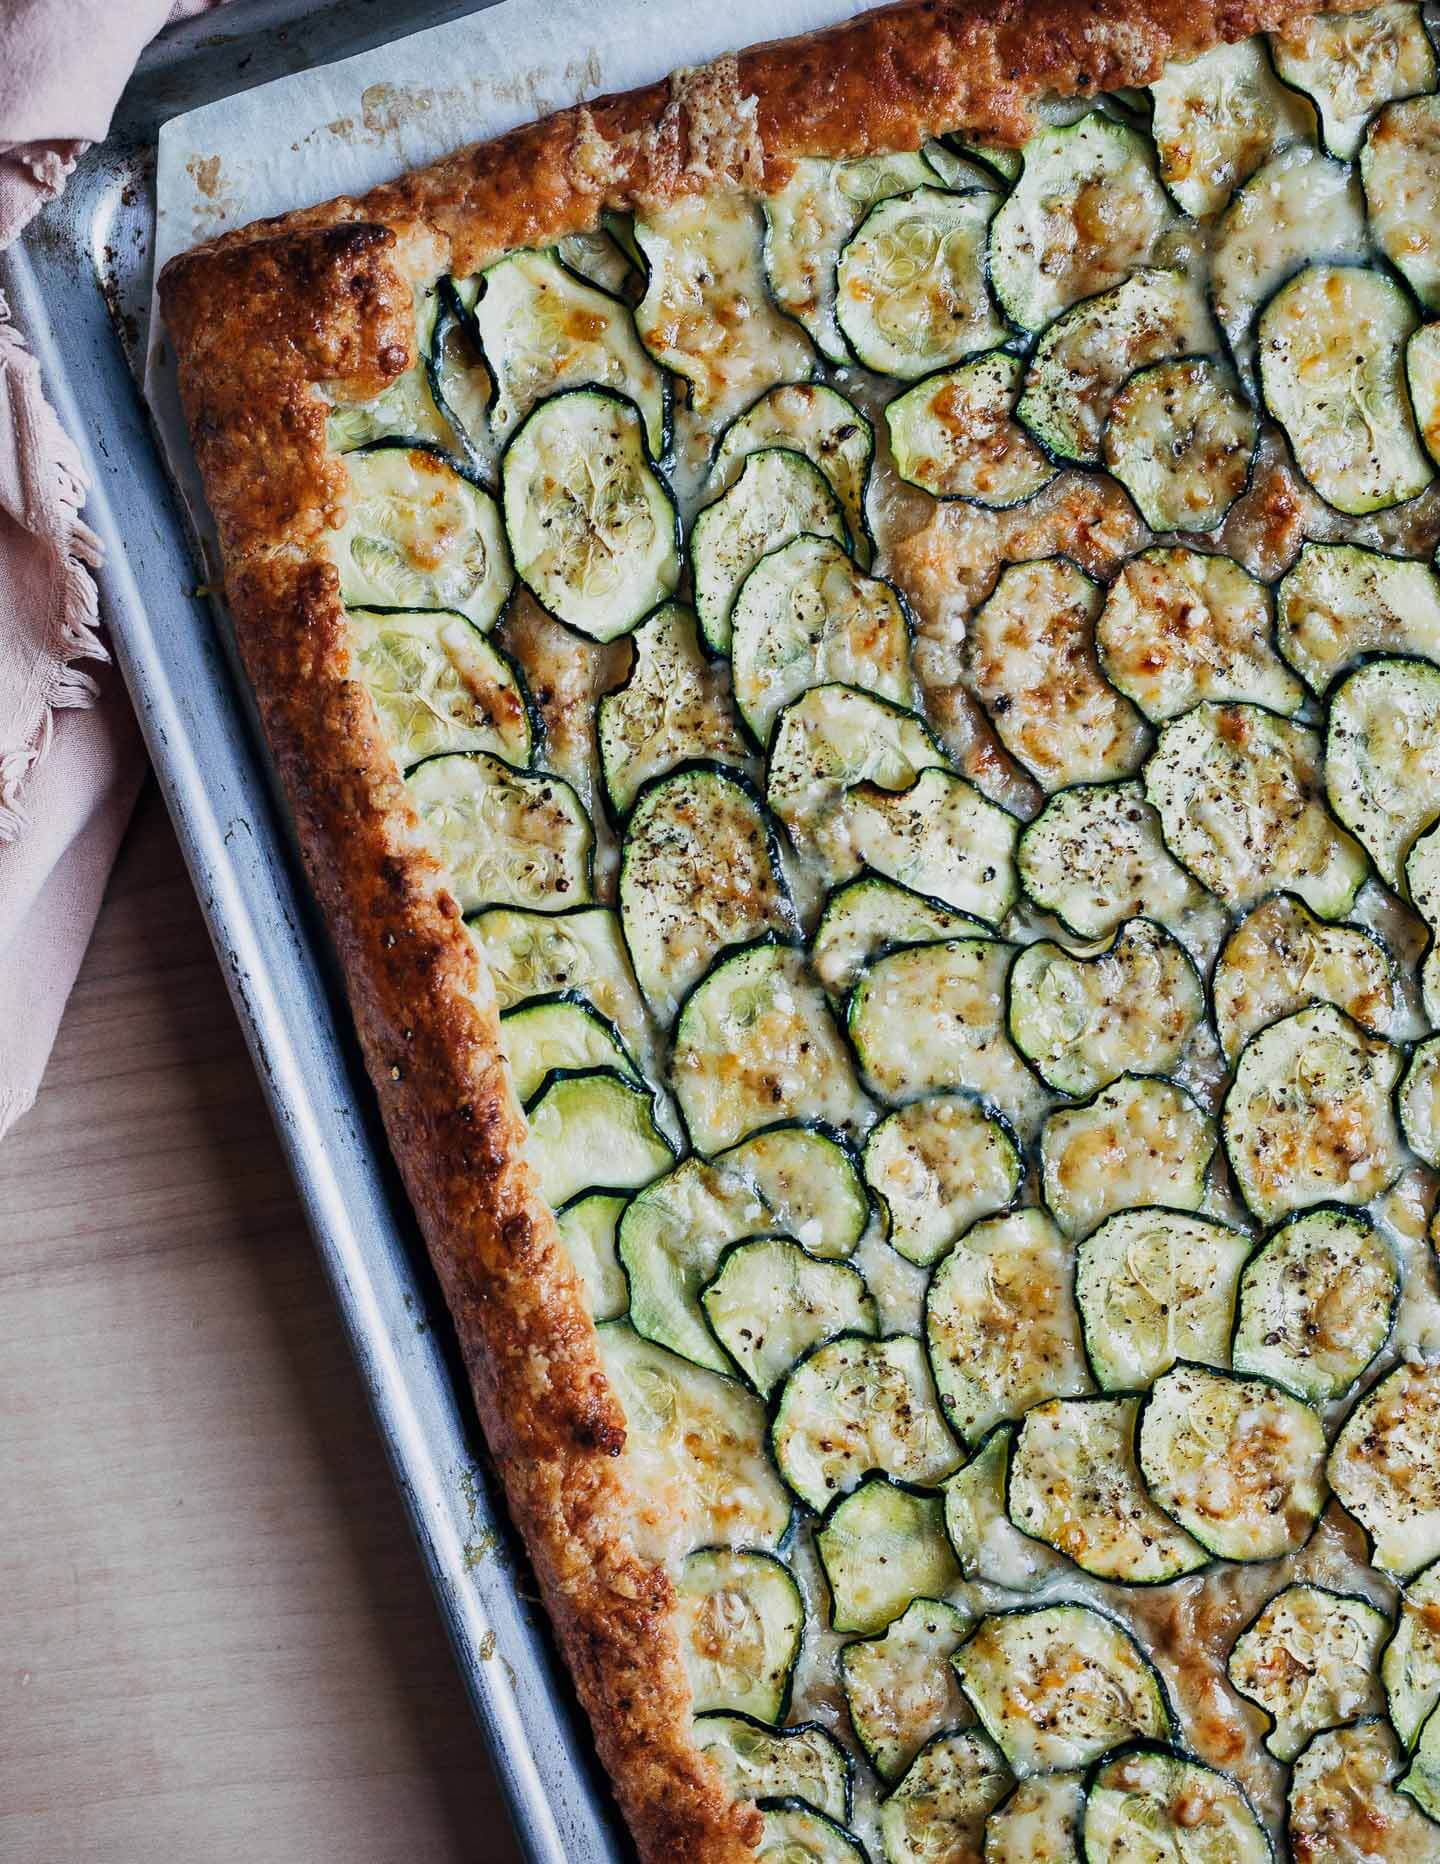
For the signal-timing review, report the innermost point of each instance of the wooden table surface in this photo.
(216, 1639)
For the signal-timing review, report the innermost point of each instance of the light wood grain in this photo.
(216, 1640)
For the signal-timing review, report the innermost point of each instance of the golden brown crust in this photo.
(261, 319)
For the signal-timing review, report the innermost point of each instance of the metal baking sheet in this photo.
(79, 287)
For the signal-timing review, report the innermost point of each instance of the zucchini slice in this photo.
(418, 534)
(856, 1407)
(866, 917)
(805, 616)
(1237, 1462)
(792, 1830)
(587, 1228)
(1342, 1800)
(808, 221)
(506, 837)
(1349, 64)
(931, 1017)
(899, 1687)
(439, 685)
(706, 313)
(810, 1178)
(938, 836)
(1316, 1303)
(1095, 857)
(1139, 1141)
(1422, 379)
(459, 382)
(770, 1303)
(816, 420)
(1308, 1660)
(1180, 437)
(593, 527)
(406, 409)
(700, 872)
(1129, 1009)
(592, 1127)
(1154, 1286)
(1421, 1779)
(1074, 1484)
(1410, 1668)
(543, 328)
(1152, 1801)
(939, 1808)
(1422, 883)
(803, 1762)
(755, 1038)
(1085, 355)
(1400, 167)
(739, 1616)
(1280, 958)
(1000, 1324)
(1039, 1823)
(565, 1031)
(936, 1166)
(955, 436)
(599, 257)
(1338, 602)
(697, 1471)
(986, 1544)
(1030, 652)
(1385, 1467)
(1217, 118)
(882, 1547)
(1239, 796)
(1180, 626)
(910, 288)
(1382, 757)
(674, 708)
(1419, 1102)
(1332, 371)
(1087, 209)
(1058, 1685)
(1308, 1117)
(779, 495)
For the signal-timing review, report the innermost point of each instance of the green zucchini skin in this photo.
(867, 1594)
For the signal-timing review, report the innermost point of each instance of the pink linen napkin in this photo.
(70, 754)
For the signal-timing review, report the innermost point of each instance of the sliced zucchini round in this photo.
(1342, 1799)
(1308, 1117)
(1180, 626)
(1338, 602)
(899, 1687)
(816, 420)
(1385, 1466)
(1308, 1660)
(1129, 1009)
(911, 294)
(1154, 1286)
(938, 836)
(1239, 796)
(755, 1762)
(1057, 1686)
(809, 1175)
(882, 1547)
(739, 1616)
(755, 1038)
(1422, 378)
(592, 1127)
(1095, 856)
(1410, 1668)
(1030, 652)
(700, 871)
(593, 527)
(795, 1833)
(1422, 876)
(867, 916)
(673, 708)
(1180, 437)
(858, 1406)
(1074, 1484)
(987, 1545)
(1096, 345)
(779, 495)
(563, 1030)
(936, 1166)
(1153, 1802)
(1281, 958)
(543, 328)
(1217, 118)
(1382, 757)
(770, 1303)
(1332, 351)
(1421, 1780)
(1139, 1141)
(587, 1228)
(1000, 1325)
(1039, 1823)
(418, 534)
(939, 1809)
(407, 409)
(696, 1468)
(1316, 1303)
(1419, 1102)
(438, 685)
(1400, 167)
(505, 837)
(955, 435)
(599, 257)
(1349, 64)
(459, 383)
(1237, 1462)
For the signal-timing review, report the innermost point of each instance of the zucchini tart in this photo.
(853, 646)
